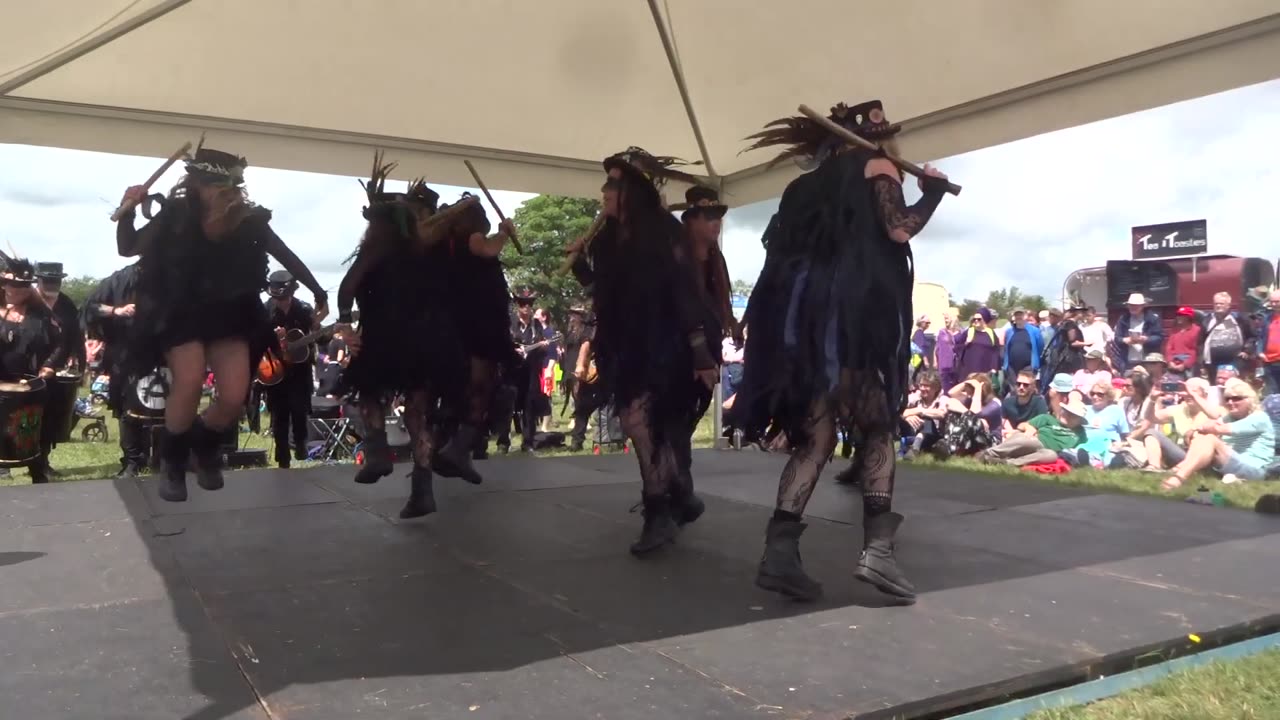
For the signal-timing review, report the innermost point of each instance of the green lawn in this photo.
(1247, 689)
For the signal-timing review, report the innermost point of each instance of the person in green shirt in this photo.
(1041, 439)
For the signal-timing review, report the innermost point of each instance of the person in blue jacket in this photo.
(1022, 348)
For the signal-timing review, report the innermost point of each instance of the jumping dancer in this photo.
(656, 340)
(831, 322)
(203, 268)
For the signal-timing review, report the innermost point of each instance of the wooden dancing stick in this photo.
(849, 136)
(480, 184)
(586, 240)
(128, 204)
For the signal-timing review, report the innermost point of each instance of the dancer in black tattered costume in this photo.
(409, 342)
(656, 341)
(203, 268)
(108, 315)
(481, 306)
(831, 321)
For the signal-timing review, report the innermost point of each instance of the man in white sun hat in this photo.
(1138, 333)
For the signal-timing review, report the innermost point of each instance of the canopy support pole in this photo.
(674, 61)
(88, 45)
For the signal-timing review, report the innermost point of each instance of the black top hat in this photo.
(214, 166)
(524, 296)
(49, 271)
(702, 200)
(420, 194)
(281, 283)
(866, 119)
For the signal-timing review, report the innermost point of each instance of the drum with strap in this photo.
(21, 419)
(145, 400)
(60, 414)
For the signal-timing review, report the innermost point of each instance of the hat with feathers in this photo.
(655, 169)
(811, 142)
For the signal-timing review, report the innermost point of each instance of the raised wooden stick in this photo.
(480, 184)
(128, 205)
(586, 240)
(849, 136)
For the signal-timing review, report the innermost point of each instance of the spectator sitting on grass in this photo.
(976, 395)
(1094, 371)
(922, 420)
(1176, 413)
(1239, 446)
(1024, 402)
(1062, 390)
(1104, 423)
(1043, 439)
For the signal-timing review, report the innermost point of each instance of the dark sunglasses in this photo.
(1023, 384)
(1234, 398)
(1098, 394)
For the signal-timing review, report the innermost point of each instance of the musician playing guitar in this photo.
(531, 403)
(289, 401)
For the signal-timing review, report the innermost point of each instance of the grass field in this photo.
(1247, 689)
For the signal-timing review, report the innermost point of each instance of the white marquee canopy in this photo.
(536, 92)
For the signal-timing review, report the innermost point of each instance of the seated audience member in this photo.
(1155, 366)
(1104, 423)
(922, 421)
(1062, 390)
(1094, 371)
(1042, 439)
(1024, 402)
(977, 395)
(1240, 445)
(1175, 410)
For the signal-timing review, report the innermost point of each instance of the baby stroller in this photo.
(98, 389)
(96, 429)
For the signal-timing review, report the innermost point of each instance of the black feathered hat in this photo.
(810, 141)
(524, 296)
(215, 166)
(654, 169)
(17, 270)
(701, 199)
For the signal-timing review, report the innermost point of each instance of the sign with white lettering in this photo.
(1175, 239)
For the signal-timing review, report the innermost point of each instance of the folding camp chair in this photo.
(337, 439)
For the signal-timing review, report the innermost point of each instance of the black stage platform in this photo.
(297, 595)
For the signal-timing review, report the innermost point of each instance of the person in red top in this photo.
(1180, 348)
(1269, 342)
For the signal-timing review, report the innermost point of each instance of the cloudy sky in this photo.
(1031, 212)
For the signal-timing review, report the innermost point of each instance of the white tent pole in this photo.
(88, 45)
(678, 72)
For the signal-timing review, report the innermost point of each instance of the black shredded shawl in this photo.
(834, 293)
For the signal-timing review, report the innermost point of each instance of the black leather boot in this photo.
(422, 501)
(206, 443)
(454, 459)
(659, 526)
(686, 506)
(377, 458)
(781, 569)
(877, 566)
(173, 480)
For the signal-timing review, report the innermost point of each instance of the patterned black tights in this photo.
(658, 465)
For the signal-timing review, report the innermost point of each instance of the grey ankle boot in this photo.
(422, 500)
(781, 569)
(877, 566)
(454, 459)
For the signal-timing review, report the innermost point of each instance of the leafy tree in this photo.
(742, 287)
(545, 225)
(78, 289)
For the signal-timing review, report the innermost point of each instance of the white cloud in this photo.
(1031, 211)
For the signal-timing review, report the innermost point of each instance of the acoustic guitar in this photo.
(557, 337)
(294, 348)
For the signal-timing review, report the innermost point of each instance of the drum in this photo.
(21, 419)
(323, 408)
(60, 413)
(146, 399)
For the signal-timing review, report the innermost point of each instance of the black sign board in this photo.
(1176, 239)
(1157, 281)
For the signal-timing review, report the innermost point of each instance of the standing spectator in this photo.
(1095, 330)
(1137, 333)
(1269, 344)
(978, 350)
(1022, 348)
(1064, 355)
(926, 342)
(1227, 338)
(1049, 320)
(1181, 349)
(945, 350)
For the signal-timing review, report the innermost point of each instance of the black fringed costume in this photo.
(653, 329)
(196, 288)
(409, 343)
(830, 325)
(103, 320)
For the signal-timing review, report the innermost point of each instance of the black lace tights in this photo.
(875, 457)
(658, 464)
(417, 418)
(484, 378)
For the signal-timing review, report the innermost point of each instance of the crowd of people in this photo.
(1071, 391)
